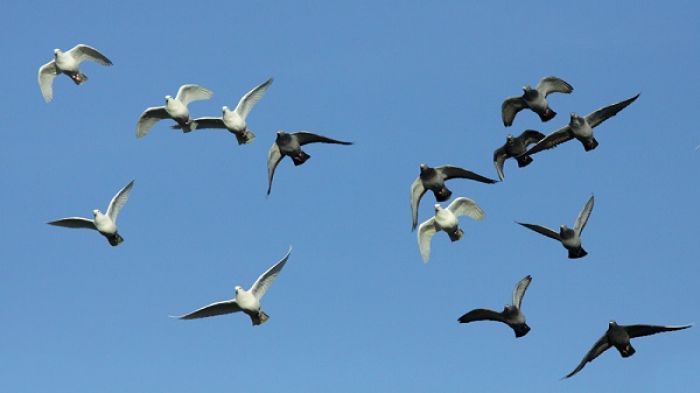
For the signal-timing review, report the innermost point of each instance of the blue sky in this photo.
(355, 308)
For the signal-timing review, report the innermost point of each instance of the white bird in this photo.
(175, 108)
(106, 224)
(446, 220)
(68, 63)
(246, 301)
(235, 120)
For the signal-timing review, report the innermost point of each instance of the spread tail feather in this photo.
(590, 144)
(245, 137)
(523, 161)
(442, 194)
(300, 158)
(547, 115)
(627, 351)
(520, 330)
(577, 253)
(115, 239)
(456, 235)
(259, 318)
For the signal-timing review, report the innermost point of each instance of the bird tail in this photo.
(521, 330)
(547, 115)
(245, 137)
(590, 144)
(627, 351)
(115, 239)
(523, 161)
(300, 158)
(259, 318)
(442, 194)
(79, 78)
(577, 253)
(456, 235)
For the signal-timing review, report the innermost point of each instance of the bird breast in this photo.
(234, 122)
(177, 110)
(446, 220)
(66, 62)
(247, 301)
(582, 129)
(537, 102)
(104, 224)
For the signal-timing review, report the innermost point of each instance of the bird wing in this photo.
(481, 314)
(205, 122)
(558, 137)
(466, 207)
(519, 290)
(426, 231)
(510, 107)
(417, 192)
(82, 52)
(452, 172)
(499, 159)
(583, 215)
(599, 347)
(595, 118)
(531, 136)
(647, 330)
(148, 118)
(552, 84)
(306, 137)
(274, 156)
(542, 230)
(218, 308)
(189, 93)
(248, 101)
(265, 280)
(74, 222)
(46, 74)
(118, 201)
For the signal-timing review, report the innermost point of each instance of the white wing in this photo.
(118, 201)
(82, 52)
(265, 280)
(148, 118)
(426, 231)
(189, 93)
(74, 222)
(519, 290)
(251, 98)
(218, 308)
(46, 74)
(583, 215)
(466, 207)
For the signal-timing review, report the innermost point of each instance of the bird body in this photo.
(175, 108)
(515, 147)
(68, 63)
(446, 220)
(534, 99)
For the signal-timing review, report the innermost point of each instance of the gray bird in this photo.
(446, 220)
(515, 147)
(569, 238)
(511, 314)
(619, 336)
(289, 144)
(68, 63)
(534, 99)
(174, 108)
(581, 128)
(433, 179)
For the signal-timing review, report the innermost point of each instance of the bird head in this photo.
(224, 109)
(423, 167)
(237, 288)
(96, 212)
(575, 119)
(612, 323)
(510, 137)
(563, 228)
(57, 52)
(438, 207)
(168, 98)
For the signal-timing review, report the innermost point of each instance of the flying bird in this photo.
(569, 238)
(289, 144)
(433, 179)
(175, 108)
(106, 224)
(446, 220)
(581, 128)
(534, 99)
(515, 147)
(235, 120)
(246, 301)
(68, 63)
(619, 336)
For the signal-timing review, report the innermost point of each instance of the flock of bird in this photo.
(433, 179)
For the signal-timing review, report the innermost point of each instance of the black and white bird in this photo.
(106, 224)
(516, 147)
(619, 336)
(246, 301)
(68, 63)
(446, 220)
(234, 120)
(174, 108)
(433, 179)
(511, 314)
(534, 99)
(569, 238)
(289, 144)
(581, 128)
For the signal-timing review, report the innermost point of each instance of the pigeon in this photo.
(535, 99)
(569, 238)
(433, 179)
(289, 144)
(235, 121)
(106, 224)
(515, 147)
(581, 128)
(446, 220)
(68, 63)
(175, 108)
(619, 336)
(511, 314)
(246, 301)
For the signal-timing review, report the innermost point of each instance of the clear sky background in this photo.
(355, 309)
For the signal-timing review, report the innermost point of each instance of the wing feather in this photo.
(452, 172)
(647, 330)
(306, 137)
(118, 201)
(519, 290)
(83, 52)
(46, 75)
(583, 215)
(265, 280)
(552, 84)
(558, 137)
(74, 222)
(417, 192)
(466, 207)
(595, 118)
(426, 231)
(510, 107)
(248, 101)
(499, 159)
(599, 347)
(481, 314)
(274, 156)
(189, 93)
(218, 308)
(542, 230)
(148, 118)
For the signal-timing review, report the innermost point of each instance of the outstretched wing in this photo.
(248, 101)
(452, 172)
(74, 222)
(599, 347)
(499, 159)
(118, 201)
(647, 330)
(204, 122)
(82, 52)
(189, 93)
(265, 280)
(481, 314)
(274, 156)
(558, 137)
(426, 231)
(542, 230)
(417, 192)
(531, 136)
(583, 215)
(47, 73)
(552, 84)
(148, 118)
(595, 118)
(218, 308)
(519, 290)
(306, 137)
(510, 107)
(466, 207)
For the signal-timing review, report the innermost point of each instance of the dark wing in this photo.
(647, 330)
(499, 159)
(595, 118)
(552, 84)
(218, 308)
(74, 222)
(306, 137)
(542, 230)
(519, 290)
(481, 314)
(148, 118)
(558, 137)
(583, 215)
(452, 172)
(205, 122)
(417, 192)
(274, 156)
(82, 52)
(510, 107)
(599, 347)
(531, 136)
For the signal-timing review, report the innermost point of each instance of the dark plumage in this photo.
(534, 99)
(515, 147)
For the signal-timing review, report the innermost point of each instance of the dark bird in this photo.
(569, 238)
(433, 179)
(511, 314)
(289, 144)
(515, 147)
(534, 99)
(68, 63)
(581, 128)
(619, 336)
